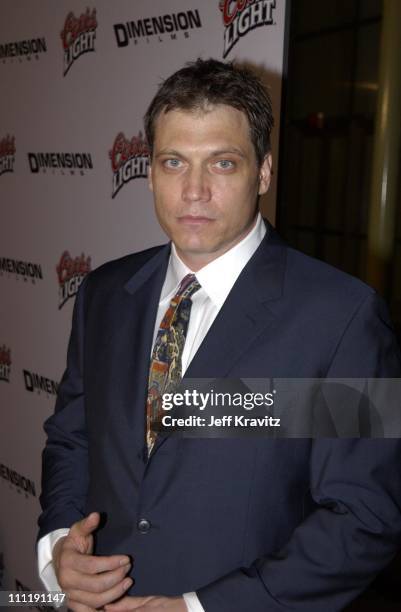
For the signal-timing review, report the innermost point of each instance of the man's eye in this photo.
(225, 164)
(172, 163)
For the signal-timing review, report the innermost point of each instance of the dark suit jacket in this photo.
(250, 524)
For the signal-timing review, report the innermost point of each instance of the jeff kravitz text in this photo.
(212, 400)
(224, 421)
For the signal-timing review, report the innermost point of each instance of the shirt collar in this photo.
(219, 276)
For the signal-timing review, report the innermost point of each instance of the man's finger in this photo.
(98, 600)
(156, 603)
(128, 603)
(91, 564)
(78, 607)
(97, 583)
(87, 525)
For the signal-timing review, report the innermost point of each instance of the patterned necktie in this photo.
(165, 371)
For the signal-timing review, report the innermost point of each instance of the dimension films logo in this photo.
(170, 23)
(5, 363)
(129, 160)
(71, 273)
(60, 161)
(39, 383)
(23, 48)
(24, 269)
(7, 154)
(78, 36)
(242, 16)
(20, 482)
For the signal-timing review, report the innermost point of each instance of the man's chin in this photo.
(193, 249)
(195, 253)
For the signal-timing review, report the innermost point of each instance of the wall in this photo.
(75, 83)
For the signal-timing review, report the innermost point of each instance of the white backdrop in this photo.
(60, 112)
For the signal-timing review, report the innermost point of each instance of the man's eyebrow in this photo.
(168, 152)
(232, 150)
(213, 153)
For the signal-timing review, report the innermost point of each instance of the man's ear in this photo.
(265, 174)
(150, 180)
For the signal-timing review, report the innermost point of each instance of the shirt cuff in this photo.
(45, 559)
(193, 603)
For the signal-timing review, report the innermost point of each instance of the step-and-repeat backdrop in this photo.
(75, 81)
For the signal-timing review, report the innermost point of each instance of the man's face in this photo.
(205, 179)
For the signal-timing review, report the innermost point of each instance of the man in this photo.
(214, 524)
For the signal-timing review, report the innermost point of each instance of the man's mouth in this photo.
(194, 220)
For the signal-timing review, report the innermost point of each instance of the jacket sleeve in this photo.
(356, 483)
(65, 457)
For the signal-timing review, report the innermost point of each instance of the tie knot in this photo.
(188, 286)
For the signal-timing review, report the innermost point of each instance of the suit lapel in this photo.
(245, 313)
(143, 293)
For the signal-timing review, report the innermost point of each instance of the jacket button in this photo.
(143, 525)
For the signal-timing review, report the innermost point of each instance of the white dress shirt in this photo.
(216, 280)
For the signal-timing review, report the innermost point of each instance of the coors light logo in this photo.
(78, 36)
(7, 154)
(129, 160)
(242, 16)
(71, 272)
(5, 363)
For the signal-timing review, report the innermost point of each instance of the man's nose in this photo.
(196, 185)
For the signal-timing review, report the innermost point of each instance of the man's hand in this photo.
(89, 581)
(149, 604)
